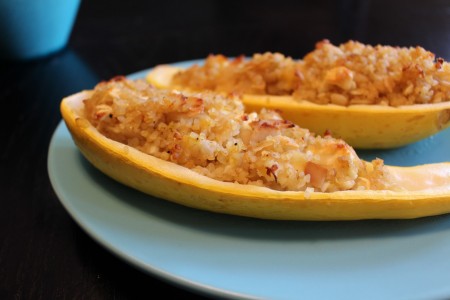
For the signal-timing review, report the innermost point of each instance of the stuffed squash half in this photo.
(370, 96)
(203, 150)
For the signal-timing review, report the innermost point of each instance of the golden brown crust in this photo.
(351, 73)
(212, 135)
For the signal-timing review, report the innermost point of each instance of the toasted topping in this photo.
(268, 73)
(351, 73)
(212, 135)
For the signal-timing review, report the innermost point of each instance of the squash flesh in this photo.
(361, 126)
(178, 184)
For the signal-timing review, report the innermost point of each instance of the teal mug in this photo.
(35, 28)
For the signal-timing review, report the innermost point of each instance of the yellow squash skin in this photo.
(361, 126)
(172, 182)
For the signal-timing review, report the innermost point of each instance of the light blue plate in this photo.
(238, 257)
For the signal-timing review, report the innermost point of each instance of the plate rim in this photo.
(168, 277)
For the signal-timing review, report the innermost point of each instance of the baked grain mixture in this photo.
(213, 136)
(354, 73)
(268, 73)
(351, 73)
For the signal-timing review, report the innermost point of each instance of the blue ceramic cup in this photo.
(35, 28)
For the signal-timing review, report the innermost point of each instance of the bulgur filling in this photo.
(268, 73)
(212, 135)
(351, 73)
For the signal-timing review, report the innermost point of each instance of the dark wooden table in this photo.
(43, 252)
